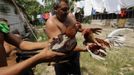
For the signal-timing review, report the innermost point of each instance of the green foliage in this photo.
(32, 7)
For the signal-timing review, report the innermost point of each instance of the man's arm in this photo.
(44, 56)
(86, 31)
(80, 49)
(24, 45)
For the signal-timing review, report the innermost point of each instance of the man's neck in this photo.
(61, 19)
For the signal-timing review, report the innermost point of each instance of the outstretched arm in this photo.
(80, 49)
(86, 31)
(24, 45)
(44, 56)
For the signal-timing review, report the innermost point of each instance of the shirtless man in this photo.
(56, 25)
(61, 23)
(44, 56)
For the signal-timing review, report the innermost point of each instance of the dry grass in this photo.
(116, 60)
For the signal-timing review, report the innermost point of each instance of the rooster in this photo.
(66, 41)
(96, 46)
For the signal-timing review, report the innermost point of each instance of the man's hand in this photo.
(47, 55)
(96, 49)
(71, 31)
(78, 26)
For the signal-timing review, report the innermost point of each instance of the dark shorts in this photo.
(72, 67)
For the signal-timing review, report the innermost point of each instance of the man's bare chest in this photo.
(62, 26)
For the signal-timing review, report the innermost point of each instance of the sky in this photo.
(41, 2)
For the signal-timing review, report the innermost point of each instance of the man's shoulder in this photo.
(50, 20)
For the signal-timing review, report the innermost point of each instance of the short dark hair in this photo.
(3, 19)
(56, 4)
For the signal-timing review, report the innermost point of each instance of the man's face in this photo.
(62, 10)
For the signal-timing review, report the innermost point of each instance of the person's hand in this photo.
(96, 49)
(47, 55)
(72, 30)
(93, 46)
(78, 26)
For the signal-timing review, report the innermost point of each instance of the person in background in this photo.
(46, 15)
